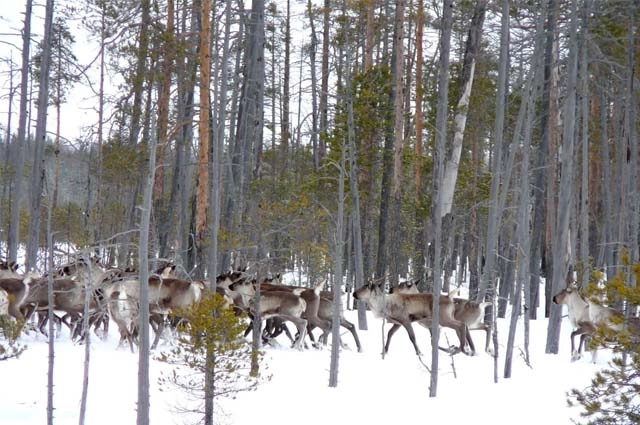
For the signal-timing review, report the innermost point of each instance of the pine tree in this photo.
(219, 333)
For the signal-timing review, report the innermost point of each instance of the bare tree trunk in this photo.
(324, 83)
(98, 202)
(419, 239)
(314, 83)
(203, 130)
(397, 71)
(584, 193)
(136, 122)
(338, 276)
(38, 171)
(540, 172)
(355, 196)
(487, 284)
(438, 175)
(86, 338)
(143, 323)
(159, 206)
(561, 251)
(462, 108)
(523, 237)
(50, 317)
(285, 134)
(16, 182)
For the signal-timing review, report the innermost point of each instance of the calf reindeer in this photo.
(287, 305)
(471, 313)
(403, 309)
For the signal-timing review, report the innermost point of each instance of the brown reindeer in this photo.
(312, 297)
(288, 305)
(471, 313)
(403, 309)
(165, 295)
(325, 312)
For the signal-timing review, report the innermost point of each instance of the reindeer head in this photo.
(407, 287)
(563, 296)
(370, 290)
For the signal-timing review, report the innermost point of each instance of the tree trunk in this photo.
(419, 239)
(38, 171)
(397, 71)
(203, 131)
(441, 138)
(468, 72)
(143, 319)
(540, 171)
(314, 83)
(523, 235)
(160, 210)
(337, 278)
(561, 253)
(20, 145)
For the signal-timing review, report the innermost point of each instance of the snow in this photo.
(371, 390)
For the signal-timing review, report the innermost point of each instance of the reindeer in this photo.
(8, 269)
(312, 297)
(403, 309)
(288, 305)
(165, 295)
(585, 316)
(16, 290)
(124, 310)
(325, 312)
(471, 313)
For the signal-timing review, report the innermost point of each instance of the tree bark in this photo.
(397, 71)
(441, 137)
(202, 184)
(561, 251)
(468, 72)
(20, 144)
(38, 171)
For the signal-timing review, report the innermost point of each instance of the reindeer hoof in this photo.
(455, 350)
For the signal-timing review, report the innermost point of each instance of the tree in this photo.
(561, 247)
(20, 145)
(202, 185)
(472, 49)
(204, 333)
(438, 176)
(62, 76)
(38, 171)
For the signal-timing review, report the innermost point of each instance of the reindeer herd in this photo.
(114, 296)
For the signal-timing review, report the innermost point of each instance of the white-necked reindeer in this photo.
(471, 313)
(585, 316)
(403, 309)
(288, 305)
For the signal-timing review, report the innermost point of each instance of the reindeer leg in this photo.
(352, 328)
(301, 325)
(487, 330)
(412, 337)
(461, 331)
(472, 346)
(393, 330)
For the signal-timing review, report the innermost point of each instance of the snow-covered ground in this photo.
(371, 390)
